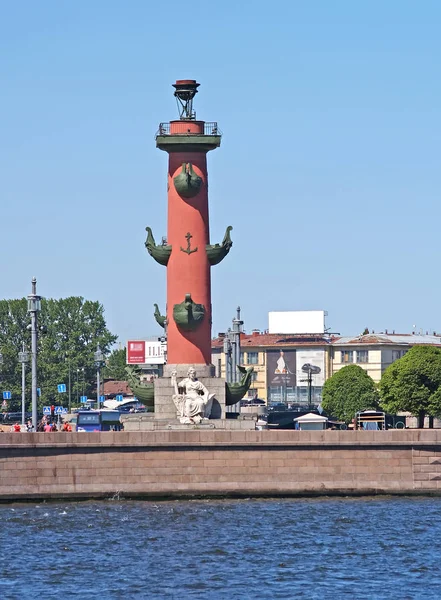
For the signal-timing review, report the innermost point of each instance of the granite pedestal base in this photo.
(164, 405)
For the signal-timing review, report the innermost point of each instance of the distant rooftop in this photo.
(391, 338)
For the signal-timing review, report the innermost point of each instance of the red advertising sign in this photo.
(136, 352)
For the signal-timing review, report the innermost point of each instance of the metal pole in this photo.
(69, 389)
(98, 387)
(23, 389)
(34, 337)
(310, 390)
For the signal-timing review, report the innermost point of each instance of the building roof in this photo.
(406, 339)
(112, 388)
(257, 340)
(268, 340)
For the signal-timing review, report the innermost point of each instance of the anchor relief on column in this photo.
(188, 250)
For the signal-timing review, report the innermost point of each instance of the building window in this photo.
(253, 358)
(252, 393)
(347, 356)
(254, 376)
(242, 358)
(362, 356)
(396, 354)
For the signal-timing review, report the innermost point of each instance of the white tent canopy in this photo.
(311, 418)
(311, 422)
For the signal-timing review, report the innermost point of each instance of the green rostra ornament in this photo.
(161, 253)
(236, 391)
(187, 183)
(188, 315)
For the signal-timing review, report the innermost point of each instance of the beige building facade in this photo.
(278, 360)
(376, 352)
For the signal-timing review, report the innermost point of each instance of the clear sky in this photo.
(329, 168)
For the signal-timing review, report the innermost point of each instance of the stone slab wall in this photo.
(165, 464)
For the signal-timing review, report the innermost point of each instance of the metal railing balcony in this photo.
(209, 129)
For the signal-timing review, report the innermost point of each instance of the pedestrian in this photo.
(17, 427)
(29, 426)
(47, 428)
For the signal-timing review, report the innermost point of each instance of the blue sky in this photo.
(328, 168)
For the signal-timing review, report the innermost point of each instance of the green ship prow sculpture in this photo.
(236, 391)
(144, 391)
(217, 252)
(161, 253)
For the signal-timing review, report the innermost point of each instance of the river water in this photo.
(376, 548)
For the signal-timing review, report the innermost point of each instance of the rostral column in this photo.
(187, 252)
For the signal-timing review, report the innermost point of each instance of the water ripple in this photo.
(382, 548)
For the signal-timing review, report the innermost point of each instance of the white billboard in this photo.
(144, 352)
(296, 321)
(313, 357)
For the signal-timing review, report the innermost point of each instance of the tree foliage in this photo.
(72, 329)
(349, 391)
(413, 383)
(116, 365)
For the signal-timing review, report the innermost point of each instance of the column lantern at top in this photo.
(185, 91)
(187, 252)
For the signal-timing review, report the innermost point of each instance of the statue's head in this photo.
(191, 373)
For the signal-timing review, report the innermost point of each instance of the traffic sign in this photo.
(61, 388)
(7, 395)
(83, 399)
(64, 411)
(46, 410)
(59, 410)
(38, 391)
(119, 398)
(102, 398)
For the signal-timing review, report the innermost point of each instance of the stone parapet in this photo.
(142, 423)
(218, 462)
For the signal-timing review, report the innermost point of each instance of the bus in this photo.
(98, 420)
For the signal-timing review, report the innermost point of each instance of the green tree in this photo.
(349, 391)
(412, 383)
(72, 329)
(116, 365)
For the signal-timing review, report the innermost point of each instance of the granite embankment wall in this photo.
(161, 464)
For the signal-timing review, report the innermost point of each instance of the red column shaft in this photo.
(188, 273)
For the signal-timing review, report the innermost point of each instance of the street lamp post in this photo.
(1, 362)
(34, 305)
(70, 388)
(99, 360)
(310, 370)
(23, 358)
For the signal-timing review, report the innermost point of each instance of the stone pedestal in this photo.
(182, 370)
(145, 422)
(164, 405)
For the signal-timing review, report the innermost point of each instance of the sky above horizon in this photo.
(328, 169)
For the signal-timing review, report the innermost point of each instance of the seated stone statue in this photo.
(192, 399)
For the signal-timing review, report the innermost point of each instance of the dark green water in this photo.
(381, 548)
